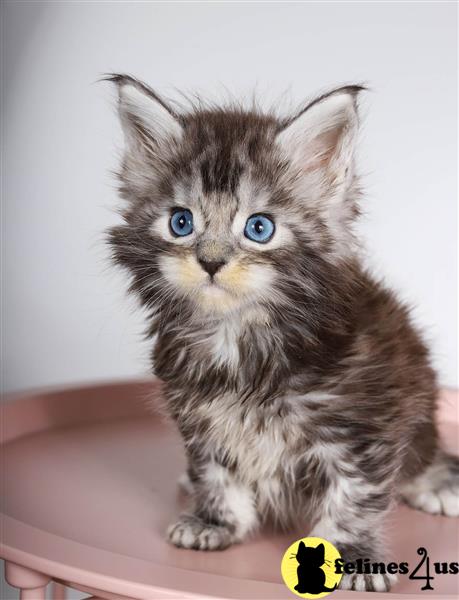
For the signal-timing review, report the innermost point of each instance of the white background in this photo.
(65, 314)
(66, 318)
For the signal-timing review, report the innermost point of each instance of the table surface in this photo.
(89, 487)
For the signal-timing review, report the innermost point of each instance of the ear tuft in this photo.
(146, 118)
(322, 136)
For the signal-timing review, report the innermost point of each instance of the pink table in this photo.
(89, 486)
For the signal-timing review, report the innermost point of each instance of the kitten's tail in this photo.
(326, 589)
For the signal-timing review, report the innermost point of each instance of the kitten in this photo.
(297, 381)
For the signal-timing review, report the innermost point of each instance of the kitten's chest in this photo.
(202, 348)
(223, 345)
(260, 443)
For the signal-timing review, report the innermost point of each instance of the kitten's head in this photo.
(230, 209)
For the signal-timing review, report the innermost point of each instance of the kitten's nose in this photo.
(211, 266)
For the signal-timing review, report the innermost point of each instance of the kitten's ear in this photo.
(147, 120)
(322, 137)
(301, 546)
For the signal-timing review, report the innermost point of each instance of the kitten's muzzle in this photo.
(212, 266)
(213, 254)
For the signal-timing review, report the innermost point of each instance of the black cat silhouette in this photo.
(311, 578)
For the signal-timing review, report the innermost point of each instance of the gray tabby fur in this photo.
(301, 389)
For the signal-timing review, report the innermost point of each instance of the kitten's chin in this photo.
(213, 298)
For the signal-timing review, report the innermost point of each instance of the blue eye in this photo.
(181, 222)
(259, 228)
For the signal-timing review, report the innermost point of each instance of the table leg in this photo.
(33, 594)
(31, 584)
(59, 591)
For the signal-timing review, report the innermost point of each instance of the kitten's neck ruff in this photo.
(262, 350)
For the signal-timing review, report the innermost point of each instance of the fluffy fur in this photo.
(300, 387)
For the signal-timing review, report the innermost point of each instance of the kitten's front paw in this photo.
(368, 583)
(192, 532)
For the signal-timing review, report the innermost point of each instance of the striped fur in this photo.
(302, 391)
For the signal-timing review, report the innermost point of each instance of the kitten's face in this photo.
(220, 237)
(214, 263)
(227, 207)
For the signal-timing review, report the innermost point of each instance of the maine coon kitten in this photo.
(298, 383)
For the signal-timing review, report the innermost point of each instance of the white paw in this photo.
(444, 501)
(192, 532)
(368, 583)
(436, 490)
